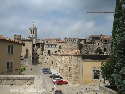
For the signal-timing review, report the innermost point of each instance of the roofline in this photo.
(13, 41)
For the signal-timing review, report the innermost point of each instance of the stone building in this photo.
(67, 64)
(17, 37)
(10, 55)
(27, 51)
(96, 44)
(50, 47)
(90, 69)
(72, 43)
(76, 59)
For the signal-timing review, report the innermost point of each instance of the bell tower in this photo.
(33, 32)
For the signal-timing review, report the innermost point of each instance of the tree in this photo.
(117, 67)
(107, 70)
(118, 45)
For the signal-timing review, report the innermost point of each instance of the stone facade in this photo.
(27, 51)
(68, 57)
(90, 72)
(30, 52)
(95, 45)
(10, 55)
(68, 66)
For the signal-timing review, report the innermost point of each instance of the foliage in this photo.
(116, 68)
(22, 68)
(107, 70)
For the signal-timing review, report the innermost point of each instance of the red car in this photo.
(60, 82)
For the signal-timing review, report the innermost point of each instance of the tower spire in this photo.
(33, 31)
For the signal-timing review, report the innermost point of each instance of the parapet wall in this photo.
(105, 90)
(16, 77)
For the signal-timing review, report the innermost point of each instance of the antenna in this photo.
(100, 12)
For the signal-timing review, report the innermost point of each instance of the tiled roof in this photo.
(61, 41)
(10, 40)
(52, 39)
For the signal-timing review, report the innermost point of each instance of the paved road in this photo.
(47, 83)
(44, 82)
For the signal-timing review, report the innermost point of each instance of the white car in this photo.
(55, 79)
(54, 72)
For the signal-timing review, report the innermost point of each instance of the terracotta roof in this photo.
(2, 37)
(10, 40)
(106, 37)
(61, 41)
(52, 39)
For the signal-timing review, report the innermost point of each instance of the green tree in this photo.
(116, 69)
(107, 70)
(118, 45)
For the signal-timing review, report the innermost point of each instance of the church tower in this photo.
(33, 32)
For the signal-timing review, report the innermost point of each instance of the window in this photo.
(49, 53)
(105, 49)
(10, 49)
(96, 74)
(27, 51)
(69, 69)
(105, 41)
(9, 66)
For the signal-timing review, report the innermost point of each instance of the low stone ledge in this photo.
(106, 90)
(17, 77)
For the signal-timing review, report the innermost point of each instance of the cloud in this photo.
(56, 18)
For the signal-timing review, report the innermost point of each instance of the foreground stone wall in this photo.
(105, 90)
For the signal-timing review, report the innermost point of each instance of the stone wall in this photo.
(65, 57)
(10, 62)
(105, 90)
(27, 50)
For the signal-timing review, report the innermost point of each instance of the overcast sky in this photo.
(56, 18)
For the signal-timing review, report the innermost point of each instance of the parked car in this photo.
(60, 82)
(46, 71)
(53, 76)
(56, 79)
(58, 92)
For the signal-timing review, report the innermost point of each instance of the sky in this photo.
(56, 18)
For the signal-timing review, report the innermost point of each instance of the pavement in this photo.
(43, 85)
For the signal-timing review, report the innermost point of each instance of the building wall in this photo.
(28, 46)
(90, 46)
(67, 65)
(5, 57)
(86, 71)
(71, 65)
